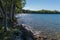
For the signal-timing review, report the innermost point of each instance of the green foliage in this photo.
(9, 34)
(8, 8)
(18, 3)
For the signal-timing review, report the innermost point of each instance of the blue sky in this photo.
(42, 4)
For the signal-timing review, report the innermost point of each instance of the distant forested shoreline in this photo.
(41, 11)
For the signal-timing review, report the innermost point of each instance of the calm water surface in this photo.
(42, 22)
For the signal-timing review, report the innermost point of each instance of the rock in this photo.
(26, 32)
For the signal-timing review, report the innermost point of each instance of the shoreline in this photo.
(38, 36)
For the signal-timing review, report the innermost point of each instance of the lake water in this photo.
(41, 22)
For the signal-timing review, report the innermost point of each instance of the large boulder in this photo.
(25, 32)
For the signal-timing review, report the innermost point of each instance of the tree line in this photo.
(41, 11)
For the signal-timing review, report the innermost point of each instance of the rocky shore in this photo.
(26, 33)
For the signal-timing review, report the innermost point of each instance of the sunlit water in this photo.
(42, 22)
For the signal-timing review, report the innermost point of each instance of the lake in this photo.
(49, 23)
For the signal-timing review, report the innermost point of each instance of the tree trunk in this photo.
(12, 10)
(6, 26)
(4, 15)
